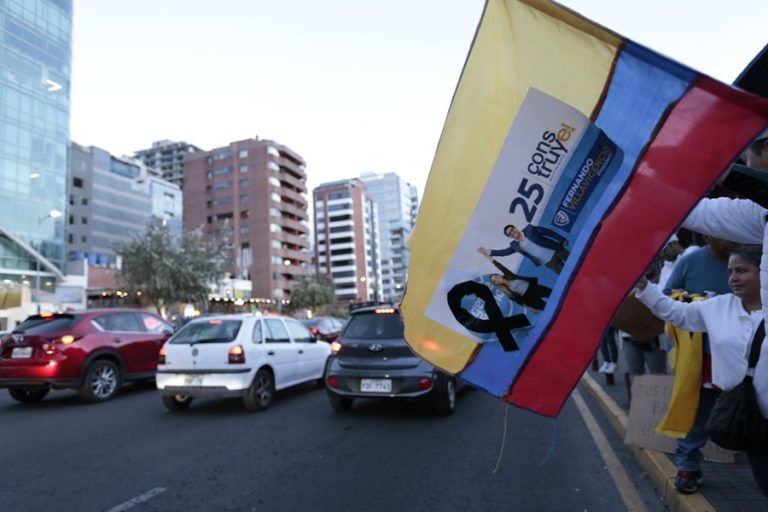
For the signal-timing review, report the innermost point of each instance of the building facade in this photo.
(397, 204)
(35, 59)
(167, 156)
(347, 241)
(111, 199)
(256, 191)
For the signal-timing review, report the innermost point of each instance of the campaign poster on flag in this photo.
(508, 266)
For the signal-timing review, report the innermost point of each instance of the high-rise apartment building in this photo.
(397, 203)
(35, 56)
(257, 190)
(347, 241)
(110, 200)
(167, 156)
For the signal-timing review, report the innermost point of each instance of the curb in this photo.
(658, 465)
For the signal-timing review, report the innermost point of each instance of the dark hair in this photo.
(758, 145)
(751, 253)
(508, 226)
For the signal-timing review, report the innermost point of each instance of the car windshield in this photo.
(39, 324)
(374, 326)
(208, 331)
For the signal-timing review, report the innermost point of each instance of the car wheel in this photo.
(261, 392)
(445, 397)
(28, 395)
(176, 402)
(340, 403)
(101, 381)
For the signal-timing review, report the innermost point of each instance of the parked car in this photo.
(325, 328)
(92, 351)
(244, 356)
(372, 360)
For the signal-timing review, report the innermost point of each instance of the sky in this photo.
(351, 85)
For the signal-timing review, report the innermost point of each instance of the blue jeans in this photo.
(608, 347)
(688, 453)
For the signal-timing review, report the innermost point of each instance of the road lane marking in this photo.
(624, 484)
(137, 500)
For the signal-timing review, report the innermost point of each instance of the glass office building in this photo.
(35, 59)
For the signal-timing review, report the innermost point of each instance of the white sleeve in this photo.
(737, 220)
(685, 315)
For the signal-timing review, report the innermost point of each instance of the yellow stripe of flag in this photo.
(518, 45)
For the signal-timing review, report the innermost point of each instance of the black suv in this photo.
(372, 360)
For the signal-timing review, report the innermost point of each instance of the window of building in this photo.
(243, 169)
(275, 197)
(83, 239)
(71, 219)
(71, 200)
(243, 183)
(244, 214)
(274, 228)
(222, 200)
(337, 207)
(244, 199)
(274, 181)
(339, 218)
(341, 251)
(221, 185)
(338, 195)
(71, 238)
(243, 153)
(224, 216)
(84, 220)
(84, 201)
(209, 219)
(245, 230)
(77, 182)
(341, 229)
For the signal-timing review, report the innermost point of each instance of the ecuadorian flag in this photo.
(568, 157)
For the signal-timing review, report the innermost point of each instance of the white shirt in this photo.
(730, 328)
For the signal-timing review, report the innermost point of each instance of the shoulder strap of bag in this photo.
(757, 342)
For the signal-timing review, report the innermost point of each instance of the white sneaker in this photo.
(604, 367)
(611, 368)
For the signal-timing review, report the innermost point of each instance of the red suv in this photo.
(92, 351)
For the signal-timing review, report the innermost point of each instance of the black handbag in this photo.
(736, 422)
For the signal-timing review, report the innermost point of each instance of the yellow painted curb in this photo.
(658, 465)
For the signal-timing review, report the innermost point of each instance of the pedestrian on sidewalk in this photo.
(609, 350)
(731, 321)
(702, 273)
(641, 354)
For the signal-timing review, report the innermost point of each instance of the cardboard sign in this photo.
(634, 318)
(650, 397)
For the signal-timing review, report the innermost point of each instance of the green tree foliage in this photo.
(167, 269)
(313, 293)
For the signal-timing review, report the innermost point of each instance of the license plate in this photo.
(193, 380)
(376, 385)
(21, 352)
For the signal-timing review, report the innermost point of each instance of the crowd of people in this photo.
(712, 298)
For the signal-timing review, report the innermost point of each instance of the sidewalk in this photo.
(728, 487)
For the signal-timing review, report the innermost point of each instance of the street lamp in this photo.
(53, 214)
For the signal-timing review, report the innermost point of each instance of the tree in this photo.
(311, 293)
(168, 269)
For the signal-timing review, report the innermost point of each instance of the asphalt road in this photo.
(132, 454)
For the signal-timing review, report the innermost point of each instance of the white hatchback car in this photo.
(245, 356)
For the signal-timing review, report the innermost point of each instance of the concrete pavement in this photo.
(728, 487)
